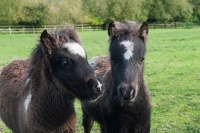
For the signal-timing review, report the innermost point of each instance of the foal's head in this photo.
(66, 61)
(127, 53)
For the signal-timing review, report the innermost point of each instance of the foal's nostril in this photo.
(98, 90)
(126, 98)
(97, 86)
(127, 94)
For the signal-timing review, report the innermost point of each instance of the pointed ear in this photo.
(44, 34)
(48, 42)
(143, 31)
(110, 26)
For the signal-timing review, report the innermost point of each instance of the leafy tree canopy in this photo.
(96, 12)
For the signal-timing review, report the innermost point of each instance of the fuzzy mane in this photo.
(124, 30)
(67, 35)
(60, 36)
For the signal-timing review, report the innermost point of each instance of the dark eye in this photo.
(65, 63)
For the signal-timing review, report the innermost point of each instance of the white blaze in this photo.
(129, 46)
(75, 48)
(99, 85)
(27, 101)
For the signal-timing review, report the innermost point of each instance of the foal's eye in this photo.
(65, 64)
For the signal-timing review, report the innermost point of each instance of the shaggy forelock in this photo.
(124, 30)
(66, 35)
(62, 36)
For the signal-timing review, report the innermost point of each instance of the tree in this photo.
(96, 12)
(178, 10)
(170, 10)
(34, 14)
(107, 10)
(9, 9)
(66, 11)
(196, 10)
(96, 9)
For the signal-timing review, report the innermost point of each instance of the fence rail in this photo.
(176, 25)
(84, 27)
(29, 29)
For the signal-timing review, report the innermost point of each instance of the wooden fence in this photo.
(83, 27)
(175, 25)
(31, 29)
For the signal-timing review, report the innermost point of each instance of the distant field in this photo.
(172, 73)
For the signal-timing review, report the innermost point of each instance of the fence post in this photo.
(10, 30)
(23, 30)
(175, 24)
(33, 29)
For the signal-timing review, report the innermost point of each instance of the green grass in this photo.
(171, 73)
(173, 78)
(16, 47)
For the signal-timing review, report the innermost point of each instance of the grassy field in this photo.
(171, 72)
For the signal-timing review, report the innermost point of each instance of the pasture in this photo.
(171, 73)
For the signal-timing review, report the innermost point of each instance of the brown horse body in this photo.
(37, 95)
(125, 105)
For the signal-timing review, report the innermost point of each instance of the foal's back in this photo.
(15, 74)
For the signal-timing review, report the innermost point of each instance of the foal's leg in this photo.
(87, 122)
(102, 129)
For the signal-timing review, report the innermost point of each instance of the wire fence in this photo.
(22, 29)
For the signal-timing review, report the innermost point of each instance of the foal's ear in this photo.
(110, 26)
(143, 31)
(48, 41)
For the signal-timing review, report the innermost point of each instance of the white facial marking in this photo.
(99, 85)
(129, 49)
(75, 48)
(28, 79)
(27, 101)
